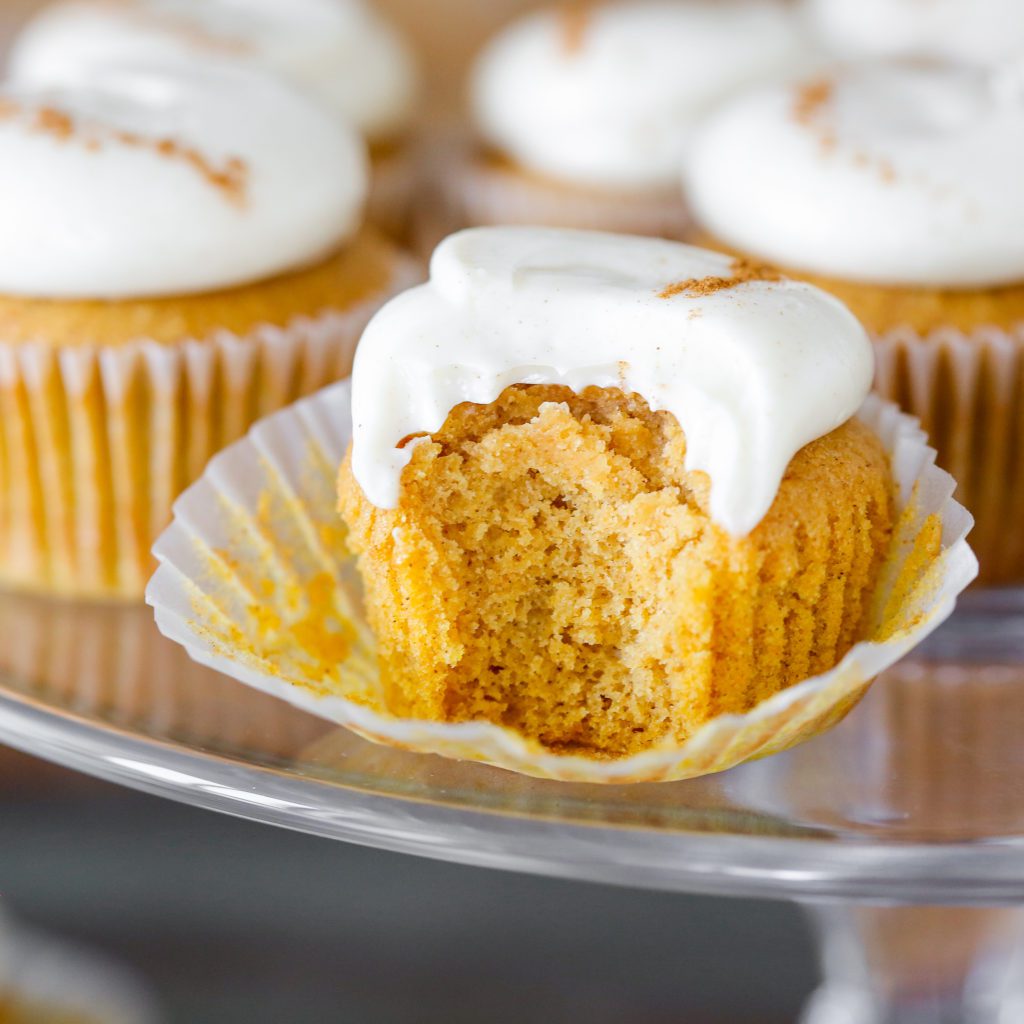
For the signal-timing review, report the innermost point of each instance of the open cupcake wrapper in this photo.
(255, 581)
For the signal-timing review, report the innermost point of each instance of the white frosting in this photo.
(982, 31)
(752, 373)
(164, 182)
(901, 176)
(614, 107)
(338, 49)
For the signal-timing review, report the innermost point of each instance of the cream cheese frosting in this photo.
(753, 369)
(887, 174)
(340, 50)
(157, 182)
(606, 95)
(981, 31)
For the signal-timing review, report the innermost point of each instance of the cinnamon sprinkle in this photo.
(232, 179)
(575, 19)
(811, 99)
(54, 122)
(742, 272)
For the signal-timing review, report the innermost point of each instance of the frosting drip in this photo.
(980, 31)
(753, 367)
(148, 183)
(891, 174)
(339, 50)
(606, 95)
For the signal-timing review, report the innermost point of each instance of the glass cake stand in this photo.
(901, 831)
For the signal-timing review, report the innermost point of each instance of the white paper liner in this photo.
(393, 183)
(475, 192)
(967, 389)
(96, 442)
(260, 532)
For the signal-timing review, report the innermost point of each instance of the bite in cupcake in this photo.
(605, 489)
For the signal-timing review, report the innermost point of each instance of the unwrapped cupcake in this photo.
(622, 510)
(897, 189)
(340, 51)
(583, 111)
(181, 254)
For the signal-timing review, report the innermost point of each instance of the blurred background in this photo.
(226, 921)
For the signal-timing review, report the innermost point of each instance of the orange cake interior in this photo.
(552, 567)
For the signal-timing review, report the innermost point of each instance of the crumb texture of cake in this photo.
(552, 567)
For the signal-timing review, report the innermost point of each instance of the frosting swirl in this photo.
(754, 367)
(147, 182)
(339, 50)
(896, 175)
(980, 31)
(607, 96)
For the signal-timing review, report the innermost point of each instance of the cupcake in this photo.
(974, 31)
(583, 111)
(340, 51)
(181, 254)
(605, 489)
(895, 188)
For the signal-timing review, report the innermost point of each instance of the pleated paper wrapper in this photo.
(255, 581)
(967, 389)
(473, 190)
(97, 442)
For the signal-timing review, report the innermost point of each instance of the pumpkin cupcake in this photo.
(896, 189)
(339, 51)
(604, 489)
(583, 111)
(182, 253)
(974, 31)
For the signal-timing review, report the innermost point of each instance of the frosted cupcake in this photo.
(974, 31)
(181, 253)
(583, 112)
(605, 489)
(340, 51)
(897, 189)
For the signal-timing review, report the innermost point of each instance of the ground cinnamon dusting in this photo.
(575, 19)
(232, 179)
(811, 98)
(55, 122)
(742, 272)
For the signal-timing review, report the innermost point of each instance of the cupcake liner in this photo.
(968, 391)
(96, 442)
(392, 191)
(255, 581)
(475, 192)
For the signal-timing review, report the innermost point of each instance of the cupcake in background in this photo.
(340, 51)
(897, 188)
(583, 111)
(45, 981)
(182, 253)
(973, 31)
